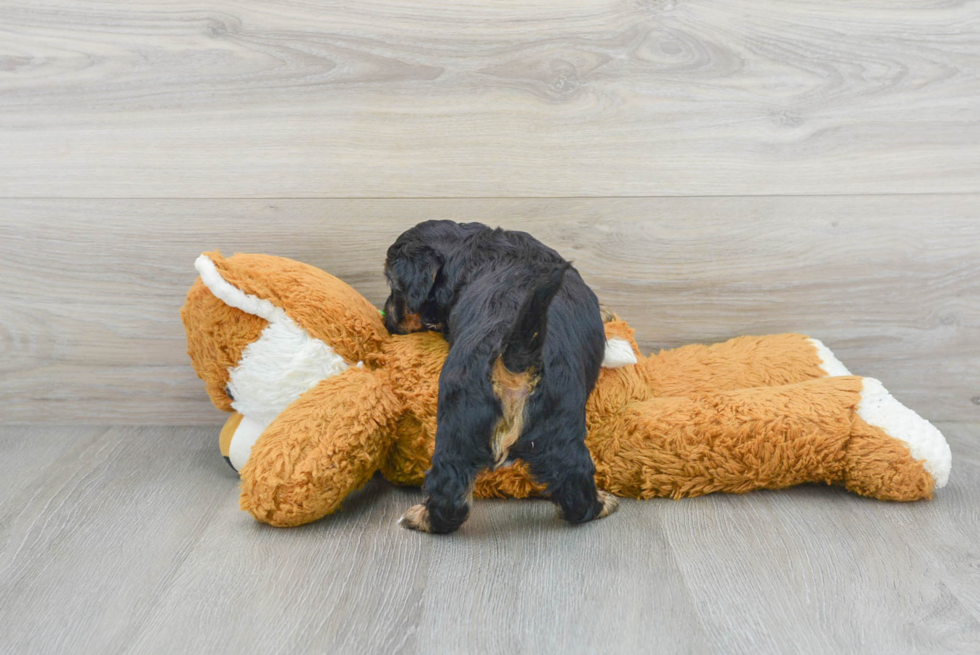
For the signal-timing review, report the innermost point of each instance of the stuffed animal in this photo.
(322, 398)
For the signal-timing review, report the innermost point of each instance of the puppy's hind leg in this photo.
(566, 468)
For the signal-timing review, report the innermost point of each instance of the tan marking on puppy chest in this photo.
(512, 390)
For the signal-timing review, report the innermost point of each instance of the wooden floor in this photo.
(130, 540)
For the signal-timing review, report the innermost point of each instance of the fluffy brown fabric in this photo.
(750, 413)
(216, 336)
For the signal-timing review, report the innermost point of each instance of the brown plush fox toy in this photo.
(323, 397)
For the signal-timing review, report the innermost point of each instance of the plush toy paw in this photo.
(832, 366)
(416, 518)
(925, 442)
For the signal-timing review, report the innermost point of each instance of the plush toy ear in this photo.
(325, 307)
(445, 282)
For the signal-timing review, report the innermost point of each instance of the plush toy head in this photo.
(323, 397)
(256, 358)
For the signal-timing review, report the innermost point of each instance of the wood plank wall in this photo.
(713, 169)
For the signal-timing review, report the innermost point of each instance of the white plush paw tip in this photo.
(832, 366)
(925, 441)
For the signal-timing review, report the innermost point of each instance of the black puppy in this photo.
(526, 345)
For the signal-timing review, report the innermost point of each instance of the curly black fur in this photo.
(501, 294)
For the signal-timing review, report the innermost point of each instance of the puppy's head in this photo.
(420, 291)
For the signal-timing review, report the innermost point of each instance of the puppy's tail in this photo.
(524, 345)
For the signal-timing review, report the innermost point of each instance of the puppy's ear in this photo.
(413, 271)
(446, 277)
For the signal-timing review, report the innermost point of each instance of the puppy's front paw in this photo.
(416, 518)
(609, 504)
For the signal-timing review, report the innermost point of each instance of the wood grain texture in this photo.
(90, 329)
(89, 306)
(129, 540)
(405, 98)
(92, 537)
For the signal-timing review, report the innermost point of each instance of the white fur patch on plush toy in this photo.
(832, 366)
(619, 353)
(277, 368)
(925, 441)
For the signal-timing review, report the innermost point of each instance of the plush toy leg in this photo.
(325, 445)
(768, 437)
(740, 363)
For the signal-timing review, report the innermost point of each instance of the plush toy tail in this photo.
(524, 345)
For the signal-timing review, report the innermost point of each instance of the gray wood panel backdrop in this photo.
(711, 171)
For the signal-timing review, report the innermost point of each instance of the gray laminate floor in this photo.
(128, 539)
